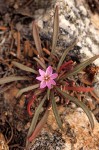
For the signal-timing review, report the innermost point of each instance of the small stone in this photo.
(83, 10)
(73, 105)
(64, 23)
(16, 6)
(87, 22)
(79, 44)
(40, 23)
(88, 40)
(19, 26)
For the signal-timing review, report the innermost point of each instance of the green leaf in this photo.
(39, 126)
(37, 39)
(55, 111)
(35, 117)
(29, 88)
(79, 103)
(65, 53)
(55, 30)
(40, 63)
(81, 66)
(23, 67)
(48, 94)
(12, 78)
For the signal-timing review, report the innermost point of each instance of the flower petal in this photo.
(40, 78)
(52, 82)
(41, 72)
(48, 83)
(42, 84)
(49, 70)
(54, 75)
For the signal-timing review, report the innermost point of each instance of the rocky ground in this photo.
(77, 20)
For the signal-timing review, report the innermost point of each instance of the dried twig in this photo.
(18, 45)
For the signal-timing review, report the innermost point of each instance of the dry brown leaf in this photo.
(10, 94)
(18, 45)
(3, 144)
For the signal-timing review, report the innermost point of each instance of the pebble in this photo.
(88, 40)
(83, 10)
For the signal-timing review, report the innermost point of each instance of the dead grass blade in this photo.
(46, 51)
(28, 50)
(3, 28)
(94, 95)
(12, 78)
(23, 67)
(37, 39)
(18, 45)
(5, 88)
(29, 88)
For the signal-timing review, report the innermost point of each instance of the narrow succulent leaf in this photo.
(65, 53)
(37, 39)
(35, 117)
(78, 89)
(81, 66)
(23, 67)
(55, 30)
(29, 88)
(55, 111)
(48, 94)
(79, 103)
(39, 126)
(40, 63)
(67, 66)
(12, 78)
(31, 101)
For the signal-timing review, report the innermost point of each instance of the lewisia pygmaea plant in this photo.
(47, 78)
(51, 77)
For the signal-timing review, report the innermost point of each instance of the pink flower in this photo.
(47, 78)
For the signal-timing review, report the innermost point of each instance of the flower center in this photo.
(46, 78)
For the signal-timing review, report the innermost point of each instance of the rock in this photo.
(77, 132)
(75, 21)
(83, 10)
(85, 137)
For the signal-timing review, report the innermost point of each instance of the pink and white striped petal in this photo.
(42, 84)
(40, 78)
(49, 70)
(42, 73)
(48, 84)
(52, 82)
(54, 75)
